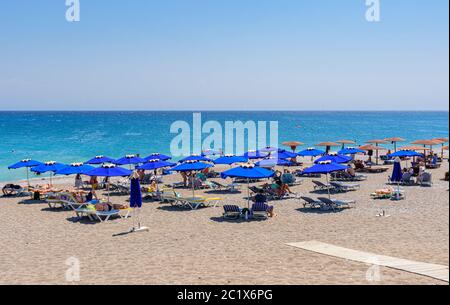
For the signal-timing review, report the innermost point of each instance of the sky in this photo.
(224, 55)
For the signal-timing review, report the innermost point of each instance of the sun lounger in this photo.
(68, 201)
(319, 186)
(260, 211)
(232, 187)
(311, 202)
(373, 170)
(345, 187)
(14, 190)
(344, 176)
(232, 212)
(408, 179)
(93, 215)
(171, 197)
(334, 204)
(301, 174)
(120, 188)
(426, 179)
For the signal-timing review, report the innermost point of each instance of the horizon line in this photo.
(221, 110)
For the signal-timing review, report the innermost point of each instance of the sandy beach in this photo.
(199, 247)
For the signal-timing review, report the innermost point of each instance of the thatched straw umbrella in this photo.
(415, 148)
(343, 142)
(328, 145)
(293, 144)
(377, 143)
(426, 143)
(372, 148)
(443, 141)
(394, 141)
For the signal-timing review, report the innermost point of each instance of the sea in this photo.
(69, 137)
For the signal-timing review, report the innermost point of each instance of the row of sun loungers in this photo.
(67, 200)
(257, 211)
(326, 203)
(176, 200)
(346, 177)
(101, 216)
(426, 179)
(338, 187)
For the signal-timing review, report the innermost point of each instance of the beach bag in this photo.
(36, 196)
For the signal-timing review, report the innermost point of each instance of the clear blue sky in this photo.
(224, 54)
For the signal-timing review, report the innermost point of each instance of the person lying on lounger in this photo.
(10, 189)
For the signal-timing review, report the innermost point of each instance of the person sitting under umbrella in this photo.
(262, 198)
(278, 186)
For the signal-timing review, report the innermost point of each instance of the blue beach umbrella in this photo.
(284, 154)
(334, 158)
(405, 154)
(155, 164)
(255, 154)
(26, 163)
(325, 167)
(100, 160)
(74, 169)
(229, 160)
(272, 162)
(248, 171)
(157, 156)
(191, 166)
(196, 158)
(50, 166)
(311, 152)
(129, 160)
(351, 151)
(109, 170)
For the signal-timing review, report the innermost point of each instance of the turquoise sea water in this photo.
(77, 136)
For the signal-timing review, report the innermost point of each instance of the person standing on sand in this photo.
(78, 181)
(94, 182)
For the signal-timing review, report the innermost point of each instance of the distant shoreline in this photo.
(231, 110)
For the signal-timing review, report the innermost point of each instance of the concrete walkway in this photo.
(439, 272)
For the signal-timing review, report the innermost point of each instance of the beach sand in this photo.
(199, 247)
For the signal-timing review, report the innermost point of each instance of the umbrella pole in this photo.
(328, 188)
(376, 162)
(248, 193)
(193, 186)
(107, 189)
(28, 177)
